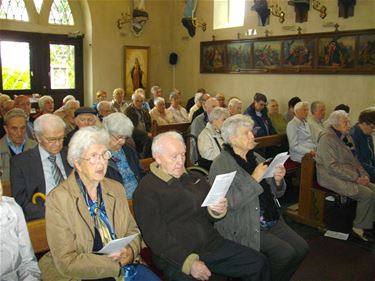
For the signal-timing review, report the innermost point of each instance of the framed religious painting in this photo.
(267, 54)
(213, 58)
(136, 68)
(366, 52)
(337, 52)
(239, 56)
(298, 53)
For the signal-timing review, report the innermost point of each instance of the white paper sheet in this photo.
(336, 235)
(278, 160)
(114, 246)
(219, 188)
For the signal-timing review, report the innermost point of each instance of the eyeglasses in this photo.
(54, 140)
(95, 158)
(117, 138)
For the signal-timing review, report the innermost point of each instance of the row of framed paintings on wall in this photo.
(339, 52)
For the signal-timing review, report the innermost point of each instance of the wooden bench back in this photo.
(146, 162)
(178, 127)
(38, 236)
(6, 188)
(272, 140)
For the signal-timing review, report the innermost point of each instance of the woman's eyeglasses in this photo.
(95, 158)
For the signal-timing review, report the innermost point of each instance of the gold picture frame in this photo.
(136, 68)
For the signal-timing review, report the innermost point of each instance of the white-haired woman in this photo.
(338, 169)
(118, 101)
(68, 115)
(18, 261)
(159, 114)
(86, 212)
(210, 141)
(253, 217)
(46, 104)
(179, 113)
(124, 164)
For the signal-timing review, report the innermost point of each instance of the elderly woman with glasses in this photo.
(124, 165)
(210, 141)
(86, 212)
(338, 169)
(253, 218)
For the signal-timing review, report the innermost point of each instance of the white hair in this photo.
(233, 123)
(335, 117)
(118, 91)
(118, 124)
(137, 94)
(42, 101)
(69, 104)
(103, 104)
(217, 113)
(83, 139)
(234, 101)
(159, 100)
(48, 120)
(300, 105)
(159, 142)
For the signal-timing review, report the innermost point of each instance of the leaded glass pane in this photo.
(15, 65)
(13, 10)
(38, 5)
(61, 13)
(62, 67)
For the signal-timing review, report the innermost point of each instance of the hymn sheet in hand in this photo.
(219, 188)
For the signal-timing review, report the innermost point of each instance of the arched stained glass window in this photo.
(61, 13)
(38, 5)
(13, 10)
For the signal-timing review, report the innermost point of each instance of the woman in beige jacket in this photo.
(86, 212)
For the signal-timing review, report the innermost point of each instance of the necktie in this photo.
(56, 172)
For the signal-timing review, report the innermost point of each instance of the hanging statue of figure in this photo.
(189, 14)
(140, 16)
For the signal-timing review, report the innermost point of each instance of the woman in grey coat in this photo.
(338, 169)
(253, 217)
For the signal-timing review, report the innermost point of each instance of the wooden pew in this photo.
(310, 207)
(38, 236)
(6, 188)
(146, 162)
(178, 127)
(272, 140)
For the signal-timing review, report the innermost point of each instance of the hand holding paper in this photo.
(278, 160)
(219, 188)
(117, 245)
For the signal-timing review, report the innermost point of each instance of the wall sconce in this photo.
(320, 8)
(277, 12)
(138, 19)
(199, 24)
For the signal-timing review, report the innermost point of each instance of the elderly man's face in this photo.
(49, 106)
(51, 139)
(210, 105)
(302, 112)
(85, 120)
(24, 103)
(235, 109)
(172, 158)
(320, 112)
(93, 165)
(158, 93)
(138, 102)
(16, 130)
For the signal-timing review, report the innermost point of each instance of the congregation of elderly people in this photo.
(78, 166)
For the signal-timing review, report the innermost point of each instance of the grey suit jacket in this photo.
(27, 178)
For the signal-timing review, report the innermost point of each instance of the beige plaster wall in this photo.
(356, 90)
(108, 43)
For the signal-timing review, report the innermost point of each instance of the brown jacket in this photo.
(336, 166)
(70, 232)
